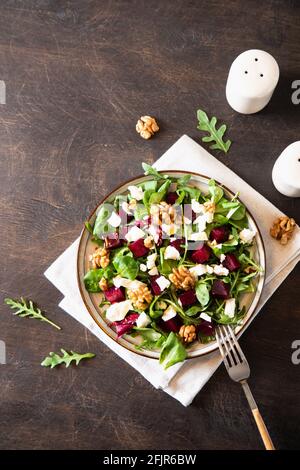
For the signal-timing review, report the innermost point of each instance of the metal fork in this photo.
(238, 369)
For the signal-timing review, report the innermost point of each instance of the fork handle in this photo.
(258, 418)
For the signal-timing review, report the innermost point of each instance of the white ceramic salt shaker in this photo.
(252, 79)
(286, 171)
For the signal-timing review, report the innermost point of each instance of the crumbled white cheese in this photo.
(205, 317)
(143, 267)
(151, 260)
(222, 257)
(198, 270)
(136, 192)
(114, 220)
(134, 234)
(119, 281)
(198, 236)
(219, 270)
(162, 282)
(197, 207)
(125, 207)
(153, 271)
(143, 320)
(247, 235)
(219, 246)
(201, 221)
(209, 217)
(171, 253)
(169, 313)
(187, 221)
(169, 229)
(118, 311)
(154, 232)
(229, 307)
(209, 269)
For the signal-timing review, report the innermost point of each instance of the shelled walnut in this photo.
(188, 333)
(146, 127)
(182, 278)
(283, 229)
(140, 297)
(100, 258)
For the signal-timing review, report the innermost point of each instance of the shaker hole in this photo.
(246, 71)
(261, 74)
(256, 59)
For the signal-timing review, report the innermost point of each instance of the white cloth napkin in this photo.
(184, 381)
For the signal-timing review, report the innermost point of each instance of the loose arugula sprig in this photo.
(55, 359)
(25, 309)
(216, 135)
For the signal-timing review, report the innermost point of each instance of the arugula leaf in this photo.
(149, 170)
(215, 191)
(24, 309)
(172, 351)
(126, 266)
(193, 311)
(216, 135)
(55, 359)
(202, 293)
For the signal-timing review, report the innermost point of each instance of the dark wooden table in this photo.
(78, 74)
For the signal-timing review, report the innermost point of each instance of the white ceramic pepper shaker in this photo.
(286, 171)
(252, 79)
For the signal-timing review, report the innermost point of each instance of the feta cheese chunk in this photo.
(187, 221)
(114, 220)
(201, 221)
(171, 253)
(126, 208)
(143, 320)
(209, 217)
(197, 207)
(154, 232)
(136, 192)
(246, 235)
(209, 269)
(118, 311)
(119, 281)
(229, 307)
(169, 313)
(198, 236)
(222, 257)
(143, 267)
(205, 317)
(198, 270)
(153, 271)
(163, 283)
(134, 234)
(151, 260)
(219, 270)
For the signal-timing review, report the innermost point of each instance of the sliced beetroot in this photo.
(177, 244)
(173, 324)
(124, 326)
(201, 254)
(219, 234)
(114, 294)
(231, 262)
(220, 290)
(188, 298)
(112, 241)
(171, 198)
(154, 286)
(206, 328)
(138, 248)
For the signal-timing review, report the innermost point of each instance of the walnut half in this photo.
(283, 229)
(146, 127)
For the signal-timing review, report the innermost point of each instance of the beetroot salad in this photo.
(171, 262)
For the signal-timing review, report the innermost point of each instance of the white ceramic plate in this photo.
(86, 247)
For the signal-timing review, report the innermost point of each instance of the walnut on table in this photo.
(283, 229)
(146, 127)
(182, 278)
(188, 333)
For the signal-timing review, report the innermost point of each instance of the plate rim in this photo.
(123, 343)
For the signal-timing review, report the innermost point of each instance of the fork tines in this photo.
(229, 347)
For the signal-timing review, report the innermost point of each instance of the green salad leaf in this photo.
(152, 338)
(55, 359)
(126, 266)
(202, 293)
(172, 351)
(93, 276)
(216, 135)
(26, 308)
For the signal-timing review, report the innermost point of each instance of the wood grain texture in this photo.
(78, 75)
